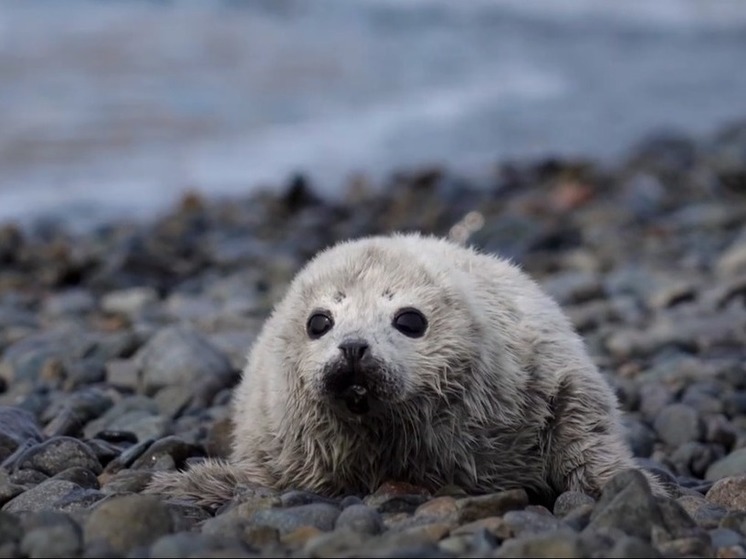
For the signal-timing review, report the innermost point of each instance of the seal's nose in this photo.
(354, 350)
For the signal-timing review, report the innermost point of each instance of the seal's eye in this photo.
(410, 322)
(319, 323)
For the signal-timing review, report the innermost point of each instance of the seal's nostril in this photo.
(353, 350)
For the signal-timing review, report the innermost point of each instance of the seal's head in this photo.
(374, 326)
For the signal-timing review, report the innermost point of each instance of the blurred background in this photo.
(111, 109)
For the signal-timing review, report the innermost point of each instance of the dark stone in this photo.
(360, 518)
(124, 523)
(168, 453)
(16, 427)
(627, 504)
(495, 504)
(319, 515)
(569, 501)
(678, 424)
(57, 454)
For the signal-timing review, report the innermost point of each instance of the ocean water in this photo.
(114, 109)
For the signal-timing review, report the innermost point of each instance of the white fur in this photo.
(498, 393)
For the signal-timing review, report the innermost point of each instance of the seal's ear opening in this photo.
(410, 322)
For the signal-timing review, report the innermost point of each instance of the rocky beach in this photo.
(120, 345)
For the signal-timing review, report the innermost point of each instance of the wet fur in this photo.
(499, 393)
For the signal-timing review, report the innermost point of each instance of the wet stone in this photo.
(729, 493)
(321, 516)
(297, 497)
(361, 519)
(129, 302)
(693, 458)
(735, 520)
(8, 489)
(559, 544)
(724, 537)
(124, 523)
(496, 504)
(51, 534)
(707, 515)
(127, 481)
(59, 453)
(188, 544)
(180, 356)
(44, 496)
(569, 501)
(677, 424)
(626, 504)
(16, 427)
(640, 437)
(731, 465)
(81, 476)
(167, 453)
(439, 508)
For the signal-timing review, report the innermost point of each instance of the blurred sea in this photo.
(114, 108)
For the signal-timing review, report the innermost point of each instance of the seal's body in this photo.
(412, 358)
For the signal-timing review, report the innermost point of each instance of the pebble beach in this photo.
(120, 346)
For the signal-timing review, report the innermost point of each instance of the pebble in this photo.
(127, 522)
(495, 504)
(569, 501)
(51, 534)
(47, 495)
(677, 424)
(730, 465)
(178, 355)
(729, 493)
(361, 519)
(119, 350)
(321, 516)
(58, 454)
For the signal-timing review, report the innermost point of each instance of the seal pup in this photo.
(413, 358)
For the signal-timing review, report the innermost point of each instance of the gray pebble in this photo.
(112, 420)
(724, 537)
(707, 515)
(44, 496)
(10, 528)
(653, 397)
(167, 453)
(677, 424)
(70, 302)
(80, 476)
(569, 501)
(127, 481)
(526, 523)
(186, 544)
(16, 426)
(59, 453)
(495, 504)
(361, 519)
(735, 520)
(296, 497)
(28, 478)
(319, 515)
(124, 523)
(731, 465)
(629, 546)
(178, 355)
(129, 302)
(693, 458)
(8, 489)
(626, 504)
(558, 544)
(51, 534)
